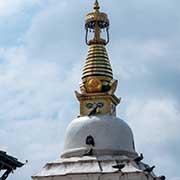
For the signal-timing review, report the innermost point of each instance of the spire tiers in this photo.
(97, 64)
(98, 86)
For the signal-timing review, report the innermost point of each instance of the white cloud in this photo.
(137, 57)
(12, 7)
(35, 96)
(28, 139)
(155, 123)
(155, 115)
(32, 88)
(175, 178)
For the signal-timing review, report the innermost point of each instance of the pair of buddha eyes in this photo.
(91, 105)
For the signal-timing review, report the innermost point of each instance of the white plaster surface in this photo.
(91, 168)
(111, 135)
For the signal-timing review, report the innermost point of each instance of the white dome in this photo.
(112, 136)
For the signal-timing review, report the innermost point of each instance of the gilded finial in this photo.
(96, 5)
(97, 21)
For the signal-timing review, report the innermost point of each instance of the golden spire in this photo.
(98, 85)
(97, 62)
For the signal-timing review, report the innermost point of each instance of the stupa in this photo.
(98, 145)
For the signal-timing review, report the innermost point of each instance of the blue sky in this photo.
(42, 53)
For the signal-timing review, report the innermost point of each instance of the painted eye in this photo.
(100, 104)
(89, 105)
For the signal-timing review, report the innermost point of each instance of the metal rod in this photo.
(86, 38)
(107, 29)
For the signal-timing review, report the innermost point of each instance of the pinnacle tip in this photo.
(96, 5)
